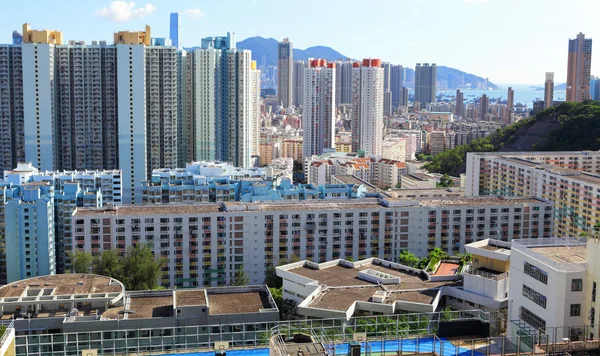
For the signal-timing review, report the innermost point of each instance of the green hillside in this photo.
(567, 127)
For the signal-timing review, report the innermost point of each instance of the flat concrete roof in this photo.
(64, 284)
(151, 307)
(484, 200)
(188, 298)
(236, 303)
(341, 299)
(341, 276)
(151, 209)
(563, 254)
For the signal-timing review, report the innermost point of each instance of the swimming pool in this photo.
(408, 345)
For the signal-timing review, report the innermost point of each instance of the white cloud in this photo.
(123, 11)
(194, 14)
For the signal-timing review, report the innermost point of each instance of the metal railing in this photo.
(487, 275)
(7, 332)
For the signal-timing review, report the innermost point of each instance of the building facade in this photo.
(208, 242)
(569, 179)
(549, 90)
(425, 83)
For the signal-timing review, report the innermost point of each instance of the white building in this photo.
(547, 288)
(417, 181)
(395, 149)
(208, 242)
(318, 109)
(367, 107)
(255, 95)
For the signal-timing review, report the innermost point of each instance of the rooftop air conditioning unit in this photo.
(378, 297)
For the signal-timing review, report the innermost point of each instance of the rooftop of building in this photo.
(238, 302)
(418, 176)
(477, 201)
(190, 297)
(342, 283)
(563, 254)
(351, 179)
(62, 284)
(155, 209)
(560, 253)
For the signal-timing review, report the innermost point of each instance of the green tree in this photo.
(408, 258)
(287, 308)
(445, 182)
(271, 278)
(446, 314)
(109, 264)
(81, 262)
(399, 185)
(141, 270)
(240, 278)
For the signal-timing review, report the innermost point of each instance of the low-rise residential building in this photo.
(389, 173)
(265, 152)
(547, 289)
(417, 181)
(206, 243)
(437, 142)
(394, 148)
(343, 289)
(292, 148)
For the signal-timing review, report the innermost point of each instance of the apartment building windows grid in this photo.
(534, 296)
(535, 272)
(532, 319)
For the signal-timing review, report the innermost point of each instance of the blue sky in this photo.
(509, 41)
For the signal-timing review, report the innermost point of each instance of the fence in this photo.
(241, 336)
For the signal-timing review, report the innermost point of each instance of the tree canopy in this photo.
(579, 130)
(408, 258)
(240, 278)
(445, 182)
(138, 269)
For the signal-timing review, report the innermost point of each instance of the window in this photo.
(534, 296)
(575, 309)
(594, 292)
(577, 285)
(535, 273)
(532, 319)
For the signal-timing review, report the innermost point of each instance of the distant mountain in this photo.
(268, 47)
(562, 86)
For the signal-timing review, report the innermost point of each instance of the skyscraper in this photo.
(318, 109)
(367, 107)
(397, 77)
(510, 104)
(579, 68)
(284, 69)
(255, 98)
(297, 82)
(404, 97)
(174, 29)
(459, 109)
(343, 74)
(223, 101)
(595, 88)
(387, 75)
(549, 90)
(425, 83)
(484, 105)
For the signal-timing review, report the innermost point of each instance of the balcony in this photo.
(486, 282)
